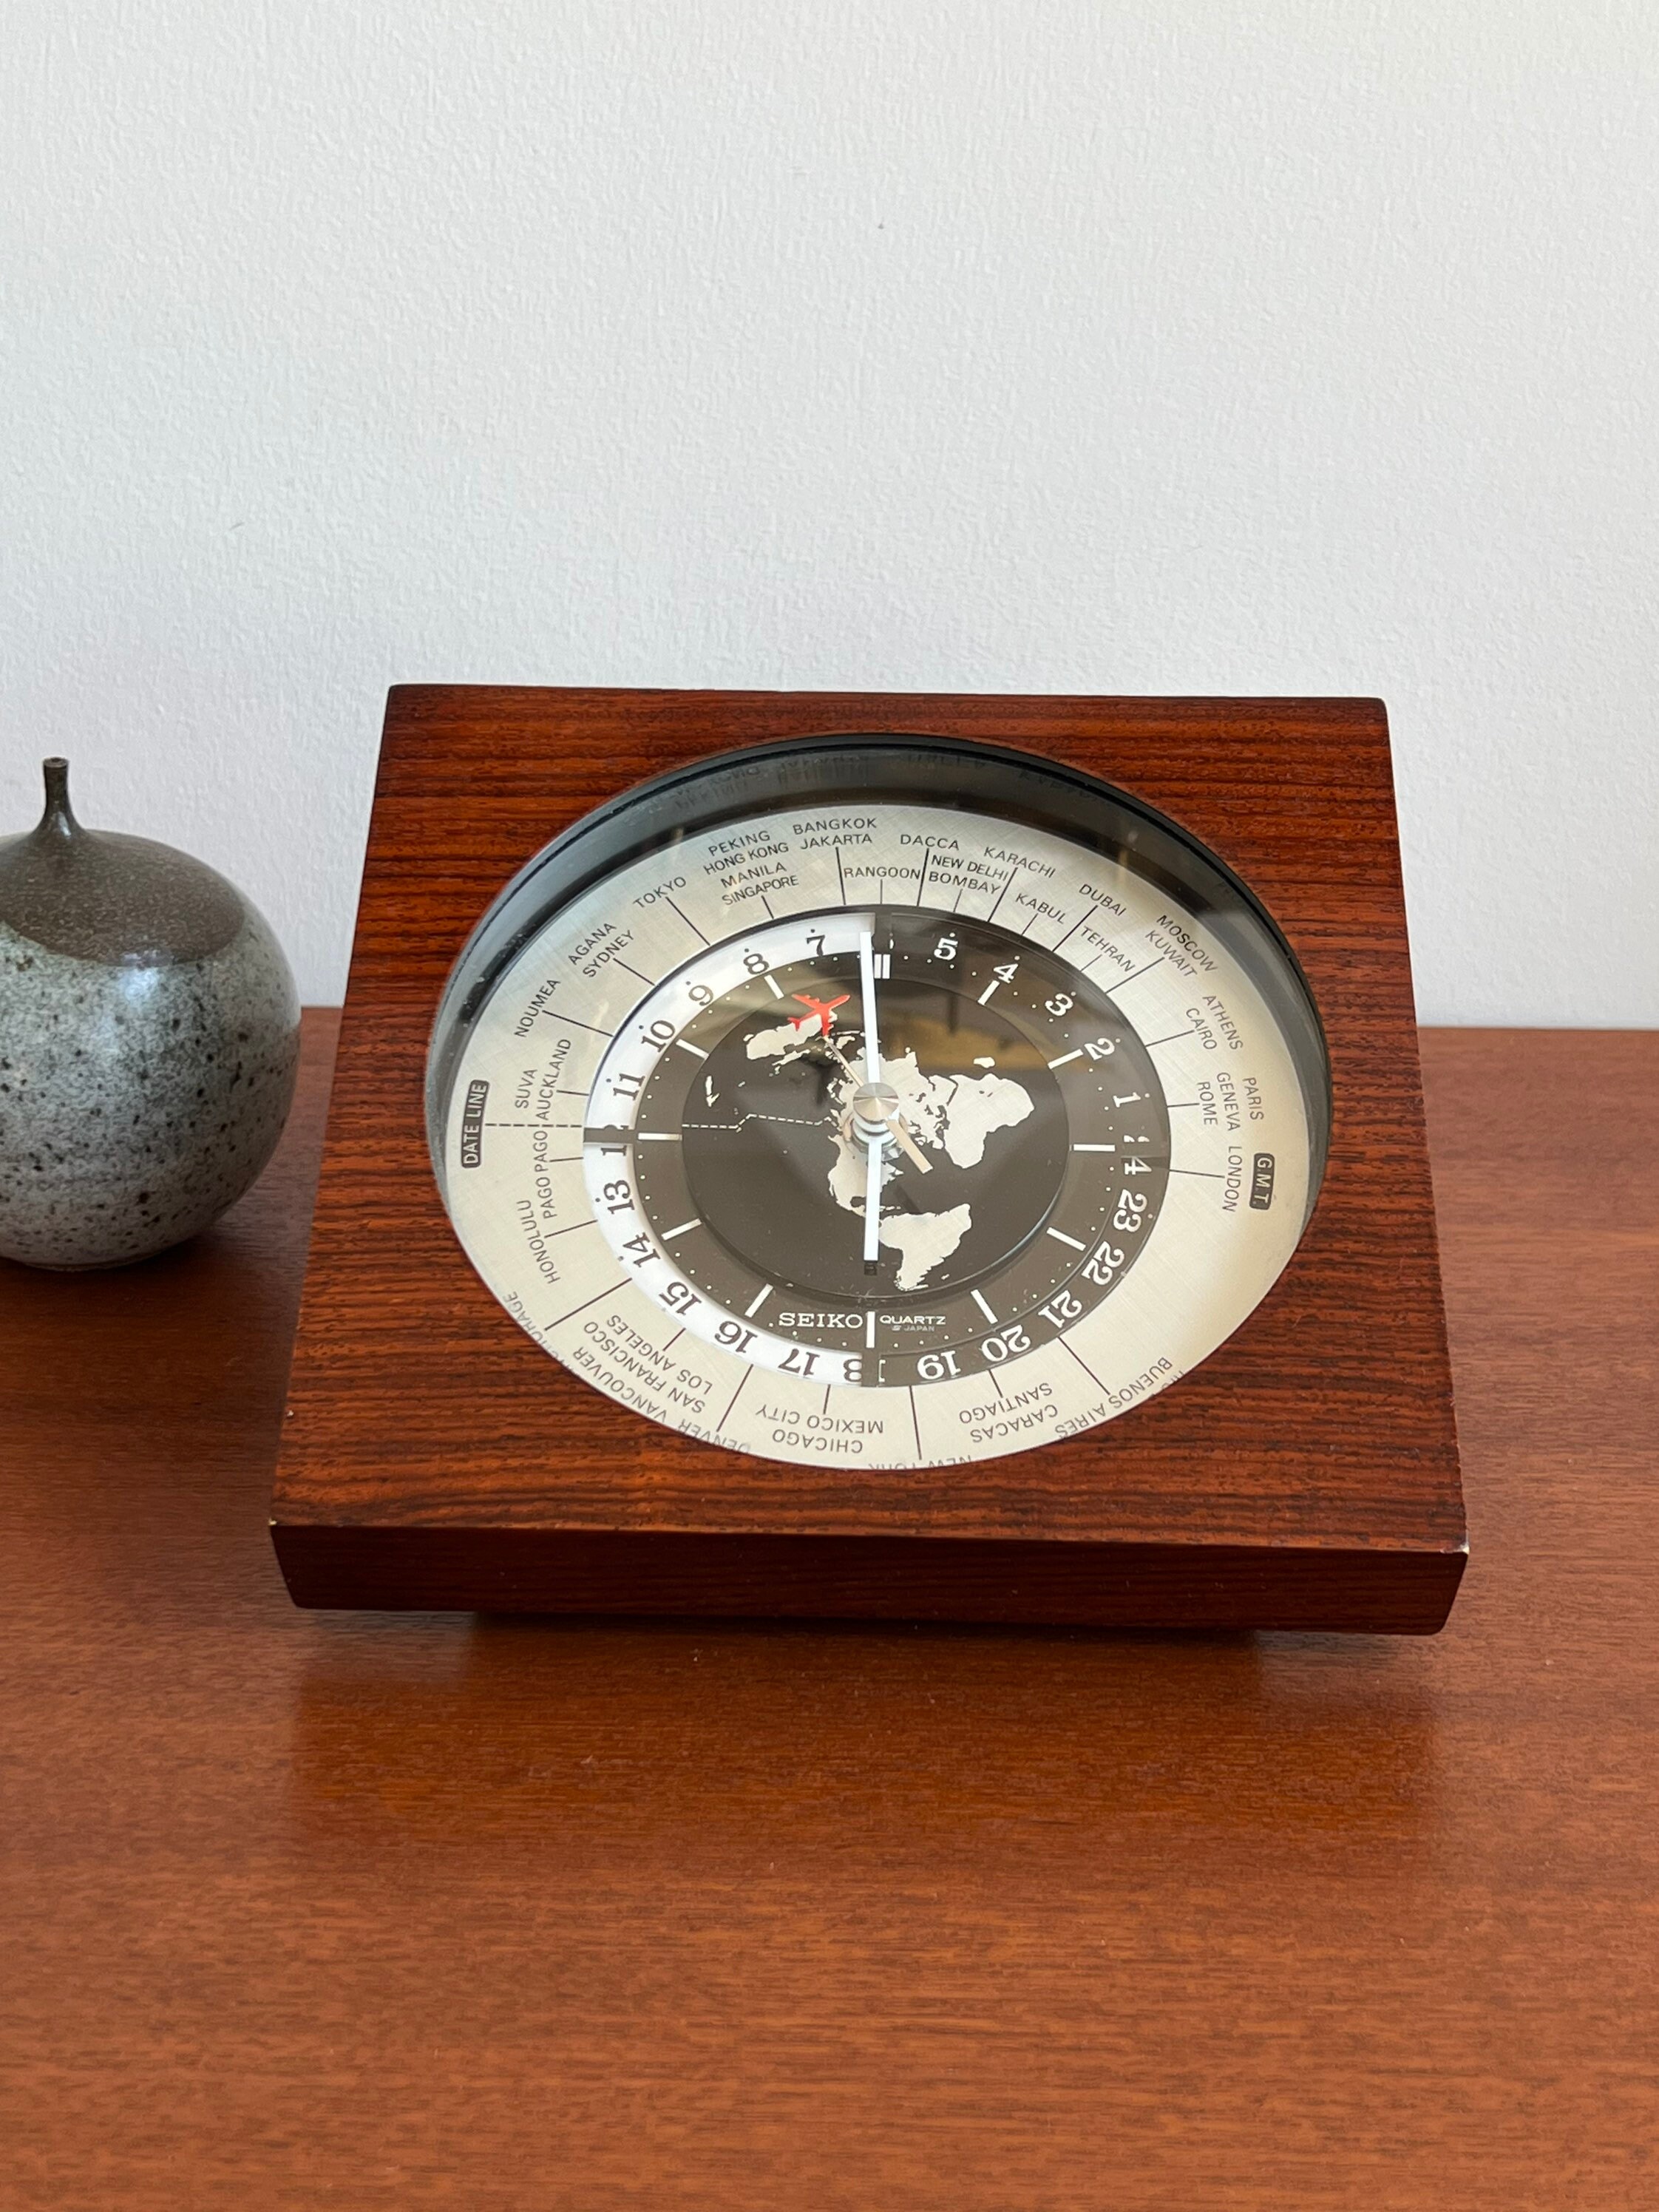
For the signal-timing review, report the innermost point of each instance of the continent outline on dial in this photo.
(1093, 1264)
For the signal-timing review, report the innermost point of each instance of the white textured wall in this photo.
(1005, 344)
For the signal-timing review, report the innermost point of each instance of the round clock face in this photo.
(889, 1103)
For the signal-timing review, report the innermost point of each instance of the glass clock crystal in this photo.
(886, 1102)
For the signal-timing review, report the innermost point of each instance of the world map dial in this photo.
(888, 1130)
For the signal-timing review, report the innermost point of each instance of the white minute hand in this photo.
(874, 1145)
(868, 991)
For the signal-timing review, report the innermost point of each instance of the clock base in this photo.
(1384, 1592)
(1303, 1476)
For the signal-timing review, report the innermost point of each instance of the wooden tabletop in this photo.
(406, 1911)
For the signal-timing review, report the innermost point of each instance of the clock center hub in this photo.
(873, 1106)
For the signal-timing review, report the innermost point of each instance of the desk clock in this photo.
(956, 1158)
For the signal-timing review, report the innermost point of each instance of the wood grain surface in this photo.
(395, 1912)
(1305, 1475)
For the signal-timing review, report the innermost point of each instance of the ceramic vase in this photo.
(149, 1040)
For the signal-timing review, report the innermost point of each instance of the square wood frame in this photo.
(1305, 1476)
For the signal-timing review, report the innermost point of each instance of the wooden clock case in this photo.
(1304, 1476)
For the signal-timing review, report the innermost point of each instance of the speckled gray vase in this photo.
(150, 1034)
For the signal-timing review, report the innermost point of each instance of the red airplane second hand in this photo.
(822, 1010)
